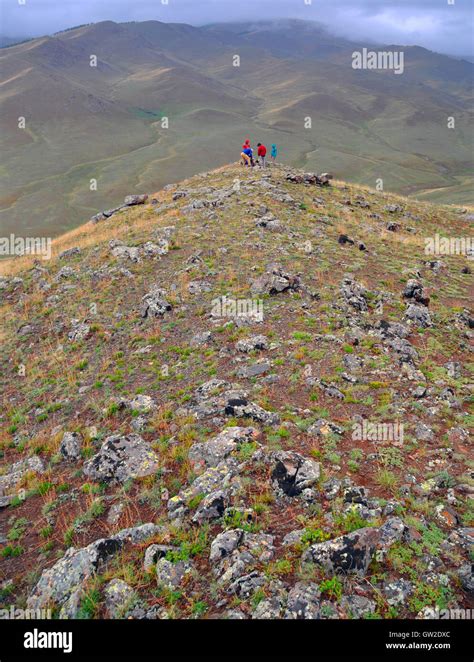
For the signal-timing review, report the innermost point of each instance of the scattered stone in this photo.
(154, 304)
(357, 606)
(71, 446)
(79, 331)
(251, 344)
(330, 390)
(274, 282)
(419, 315)
(233, 552)
(414, 290)
(212, 480)
(201, 339)
(466, 575)
(132, 200)
(354, 293)
(423, 432)
(122, 458)
(171, 575)
(126, 253)
(213, 506)
(143, 404)
(114, 514)
(254, 370)
(119, 598)
(16, 471)
(397, 592)
(303, 602)
(453, 368)
(211, 453)
(322, 428)
(353, 553)
(293, 473)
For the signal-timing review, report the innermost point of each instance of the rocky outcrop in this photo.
(121, 458)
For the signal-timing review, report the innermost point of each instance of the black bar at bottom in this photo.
(239, 640)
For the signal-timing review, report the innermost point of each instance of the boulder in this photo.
(352, 553)
(211, 453)
(62, 584)
(121, 458)
(292, 473)
(132, 200)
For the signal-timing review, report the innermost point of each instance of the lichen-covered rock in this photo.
(16, 471)
(154, 553)
(397, 592)
(79, 331)
(356, 606)
(235, 552)
(354, 293)
(212, 480)
(251, 344)
(246, 585)
(419, 315)
(275, 281)
(348, 554)
(211, 453)
(70, 447)
(466, 576)
(303, 602)
(269, 609)
(423, 432)
(414, 290)
(122, 252)
(242, 409)
(200, 339)
(212, 506)
(142, 403)
(171, 575)
(293, 473)
(119, 598)
(121, 458)
(154, 303)
(254, 370)
(352, 553)
(62, 584)
(132, 200)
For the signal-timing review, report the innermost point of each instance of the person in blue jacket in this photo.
(274, 152)
(249, 152)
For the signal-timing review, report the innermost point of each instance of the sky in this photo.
(434, 24)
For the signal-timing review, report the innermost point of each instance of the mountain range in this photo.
(93, 133)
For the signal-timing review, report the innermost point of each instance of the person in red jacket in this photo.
(262, 153)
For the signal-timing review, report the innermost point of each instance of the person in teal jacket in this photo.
(274, 152)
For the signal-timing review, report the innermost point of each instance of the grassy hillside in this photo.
(247, 470)
(103, 123)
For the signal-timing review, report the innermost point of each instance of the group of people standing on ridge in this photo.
(247, 158)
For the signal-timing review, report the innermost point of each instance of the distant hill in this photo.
(9, 41)
(104, 123)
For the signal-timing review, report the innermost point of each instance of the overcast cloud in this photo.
(434, 24)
